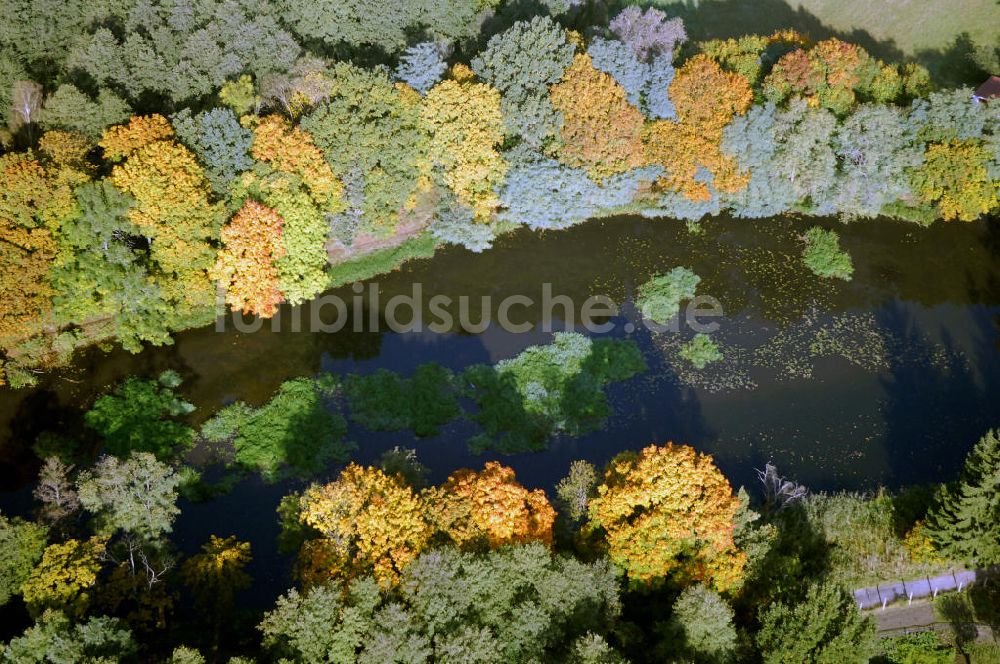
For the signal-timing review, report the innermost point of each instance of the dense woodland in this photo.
(654, 558)
(162, 156)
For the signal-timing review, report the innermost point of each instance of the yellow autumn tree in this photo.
(371, 524)
(601, 132)
(668, 511)
(246, 265)
(466, 128)
(217, 573)
(490, 508)
(954, 177)
(173, 208)
(63, 579)
(34, 202)
(706, 99)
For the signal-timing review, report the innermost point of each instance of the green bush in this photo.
(385, 401)
(295, 432)
(823, 256)
(919, 648)
(660, 298)
(701, 351)
(547, 389)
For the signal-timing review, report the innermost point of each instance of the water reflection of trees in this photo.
(938, 403)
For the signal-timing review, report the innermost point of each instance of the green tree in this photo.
(825, 628)
(522, 62)
(137, 495)
(21, 546)
(964, 523)
(140, 416)
(514, 605)
(70, 108)
(54, 638)
(185, 54)
(369, 124)
(295, 432)
(701, 627)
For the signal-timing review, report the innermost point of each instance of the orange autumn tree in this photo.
(668, 511)
(291, 150)
(34, 201)
(173, 208)
(294, 179)
(370, 523)
(246, 265)
(490, 508)
(601, 132)
(707, 98)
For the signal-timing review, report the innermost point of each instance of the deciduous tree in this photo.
(373, 523)
(252, 244)
(21, 546)
(137, 495)
(65, 577)
(706, 99)
(955, 177)
(490, 508)
(601, 131)
(465, 124)
(669, 511)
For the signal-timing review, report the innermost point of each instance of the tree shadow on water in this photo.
(935, 406)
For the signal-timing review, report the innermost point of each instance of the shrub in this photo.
(385, 401)
(701, 351)
(659, 299)
(823, 256)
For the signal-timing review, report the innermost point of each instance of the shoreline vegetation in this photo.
(139, 201)
(164, 156)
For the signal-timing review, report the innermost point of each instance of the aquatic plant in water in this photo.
(660, 298)
(295, 433)
(701, 351)
(823, 255)
(385, 401)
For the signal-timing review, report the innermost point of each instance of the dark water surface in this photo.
(886, 380)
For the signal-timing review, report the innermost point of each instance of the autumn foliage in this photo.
(246, 265)
(955, 178)
(291, 150)
(33, 203)
(173, 208)
(466, 128)
(601, 131)
(490, 507)
(669, 511)
(371, 522)
(706, 98)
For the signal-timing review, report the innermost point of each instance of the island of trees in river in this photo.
(162, 156)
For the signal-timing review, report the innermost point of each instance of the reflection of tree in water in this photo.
(935, 407)
(792, 351)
